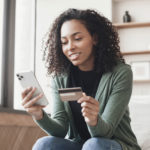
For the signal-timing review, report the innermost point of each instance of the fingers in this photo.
(89, 115)
(90, 109)
(87, 111)
(84, 94)
(34, 109)
(90, 118)
(29, 101)
(90, 106)
(32, 101)
(89, 99)
(25, 92)
(28, 96)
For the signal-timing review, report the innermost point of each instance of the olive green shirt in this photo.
(113, 93)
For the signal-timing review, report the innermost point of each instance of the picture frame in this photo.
(141, 70)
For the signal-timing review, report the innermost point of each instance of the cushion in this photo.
(140, 120)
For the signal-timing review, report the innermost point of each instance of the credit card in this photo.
(70, 94)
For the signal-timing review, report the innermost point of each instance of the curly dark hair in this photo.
(107, 52)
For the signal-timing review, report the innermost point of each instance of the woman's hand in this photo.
(90, 109)
(29, 103)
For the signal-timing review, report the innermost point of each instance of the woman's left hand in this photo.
(90, 109)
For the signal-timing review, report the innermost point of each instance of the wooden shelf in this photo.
(141, 81)
(136, 52)
(131, 25)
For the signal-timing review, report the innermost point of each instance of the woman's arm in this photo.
(57, 123)
(116, 105)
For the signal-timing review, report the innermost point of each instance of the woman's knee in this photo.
(101, 144)
(44, 143)
(90, 144)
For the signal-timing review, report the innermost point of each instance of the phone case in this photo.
(27, 79)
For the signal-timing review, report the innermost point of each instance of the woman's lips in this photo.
(74, 56)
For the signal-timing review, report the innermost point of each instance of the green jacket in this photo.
(113, 94)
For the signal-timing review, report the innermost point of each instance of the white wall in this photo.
(134, 39)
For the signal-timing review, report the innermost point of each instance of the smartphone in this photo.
(28, 79)
(70, 94)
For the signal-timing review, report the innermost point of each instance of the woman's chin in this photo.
(75, 64)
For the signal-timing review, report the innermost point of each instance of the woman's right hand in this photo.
(29, 103)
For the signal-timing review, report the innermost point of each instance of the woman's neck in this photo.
(87, 67)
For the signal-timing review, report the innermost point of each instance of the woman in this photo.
(82, 51)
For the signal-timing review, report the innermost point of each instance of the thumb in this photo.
(84, 94)
(42, 106)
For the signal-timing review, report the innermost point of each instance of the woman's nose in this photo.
(71, 45)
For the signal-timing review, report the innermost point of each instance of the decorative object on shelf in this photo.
(141, 70)
(126, 17)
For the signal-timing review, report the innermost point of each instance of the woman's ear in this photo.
(95, 39)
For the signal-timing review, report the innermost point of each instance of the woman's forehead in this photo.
(73, 27)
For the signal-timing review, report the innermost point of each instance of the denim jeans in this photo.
(56, 143)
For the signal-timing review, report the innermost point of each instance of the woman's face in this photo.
(77, 44)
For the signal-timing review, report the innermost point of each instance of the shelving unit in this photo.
(136, 52)
(141, 81)
(120, 26)
(135, 35)
(132, 25)
(135, 47)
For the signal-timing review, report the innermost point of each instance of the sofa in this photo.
(140, 119)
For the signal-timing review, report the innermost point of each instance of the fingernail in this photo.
(34, 88)
(83, 94)
(29, 88)
(41, 94)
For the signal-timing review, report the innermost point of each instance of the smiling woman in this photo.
(77, 44)
(83, 51)
(100, 36)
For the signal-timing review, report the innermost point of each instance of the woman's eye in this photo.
(63, 43)
(78, 39)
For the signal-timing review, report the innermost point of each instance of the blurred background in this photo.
(24, 24)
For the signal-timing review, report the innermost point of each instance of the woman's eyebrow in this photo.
(76, 33)
(72, 34)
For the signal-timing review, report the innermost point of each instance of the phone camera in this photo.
(19, 76)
